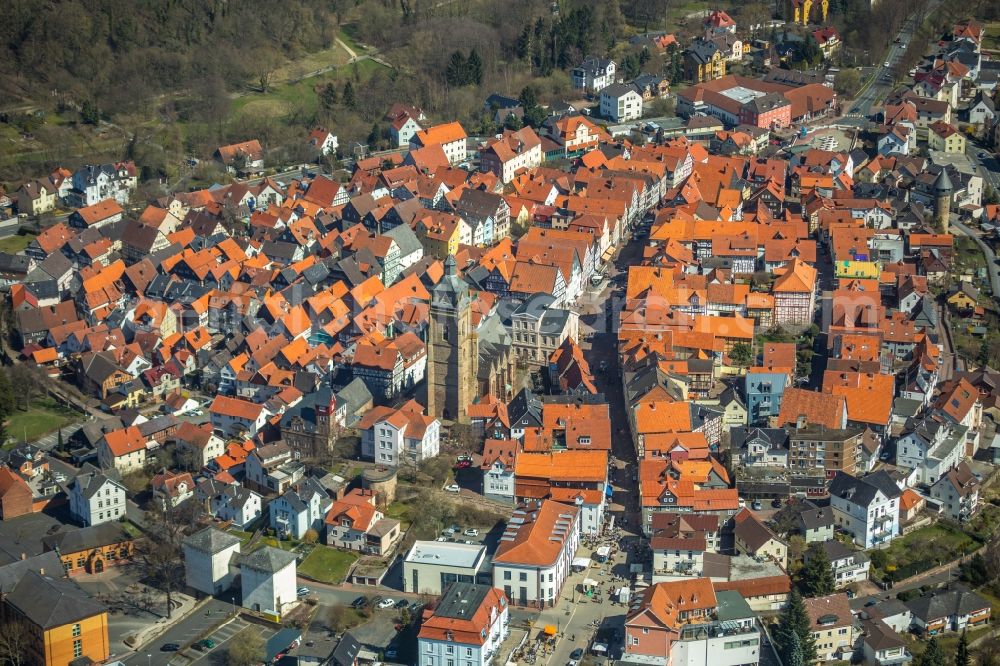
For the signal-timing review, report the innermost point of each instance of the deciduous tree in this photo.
(246, 649)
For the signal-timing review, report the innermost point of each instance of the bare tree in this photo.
(247, 649)
(159, 554)
(14, 642)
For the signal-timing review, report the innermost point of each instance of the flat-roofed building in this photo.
(431, 566)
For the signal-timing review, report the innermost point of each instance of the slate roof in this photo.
(211, 540)
(862, 491)
(814, 519)
(88, 538)
(267, 559)
(52, 602)
(11, 574)
(931, 607)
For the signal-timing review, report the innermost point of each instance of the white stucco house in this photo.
(390, 435)
(621, 102)
(95, 498)
(866, 507)
(267, 578)
(208, 560)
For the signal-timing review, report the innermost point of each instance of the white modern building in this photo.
(466, 628)
(267, 577)
(208, 560)
(621, 102)
(431, 566)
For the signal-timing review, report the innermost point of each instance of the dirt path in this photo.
(350, 51)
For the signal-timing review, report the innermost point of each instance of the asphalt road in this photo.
(881, 81)
(988, 167)
(185, 631)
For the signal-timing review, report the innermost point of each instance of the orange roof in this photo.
(909, 499)
(869, 395)
(101, 210)
(671, 604)
(817, 408)
(472, 628)
(537, 534)
(795, 277)
(444, 133)
(659, 416)
(125, 441)
(582, 466)
(239, 409)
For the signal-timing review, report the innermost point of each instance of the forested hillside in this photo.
(118, 53)
(159, 81)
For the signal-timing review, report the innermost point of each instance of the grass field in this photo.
(327, 565)
(45, 416)
(16, 243)
(926, 548)
(284, 98)
(992, 38)
(968, 255)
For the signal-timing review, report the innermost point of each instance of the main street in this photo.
(883, 77)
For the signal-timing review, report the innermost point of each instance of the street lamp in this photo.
(149, 659)
(233, 599)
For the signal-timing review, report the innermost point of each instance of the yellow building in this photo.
(965, 298)
(440, 233)
(703, 61)
(946, 138)
(801, 11)
(61, 621)
(857, 270)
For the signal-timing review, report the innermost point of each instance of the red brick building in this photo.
(15, 495)
(769, 111)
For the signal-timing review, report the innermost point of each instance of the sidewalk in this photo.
(187, 605)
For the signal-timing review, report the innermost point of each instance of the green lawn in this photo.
(926, 548)
(16, 243)
(327, 565)
(285, 98)
(968, 255)
(992, 38)
(45, 416)
(243, 536)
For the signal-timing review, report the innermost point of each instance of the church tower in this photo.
(942, 200)
(452, 353)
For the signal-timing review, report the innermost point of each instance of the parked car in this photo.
(574, 657)
(170, 647)
(776, 502)
(204, 645)
(360, 602)
(471, 532)
(388, 602)
(756, 505)
(452, 488)
(402, 603)
(448, 532)
(303, 591)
